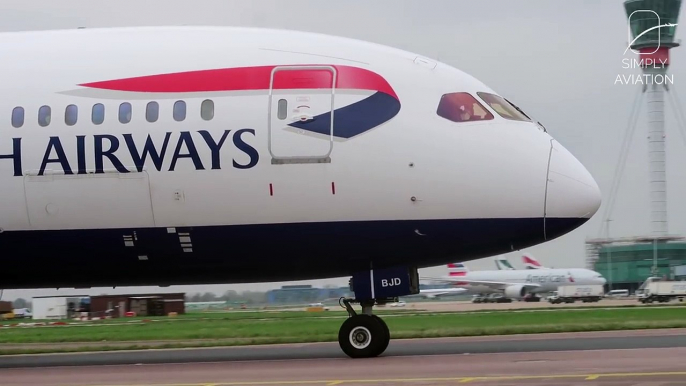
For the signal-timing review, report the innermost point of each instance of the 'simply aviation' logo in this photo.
(646, 31)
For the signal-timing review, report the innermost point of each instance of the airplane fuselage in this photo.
(547, 280)
(188, 155)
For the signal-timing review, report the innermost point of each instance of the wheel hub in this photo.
(360, 337)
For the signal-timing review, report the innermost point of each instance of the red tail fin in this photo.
(531, 262)
(457, 270)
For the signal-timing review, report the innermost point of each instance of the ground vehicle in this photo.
(496, 298)
(639, 294)
(572, 293)
(21, 313)
(663, 291)
(323, 307)
(617, 293)
(531, 298)
(478, 298)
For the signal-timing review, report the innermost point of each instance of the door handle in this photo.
(304, 118)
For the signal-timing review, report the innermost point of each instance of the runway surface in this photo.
(645, 358)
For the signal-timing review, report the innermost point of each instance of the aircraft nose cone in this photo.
(572, 195)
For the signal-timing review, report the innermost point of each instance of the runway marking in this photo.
(415, 380)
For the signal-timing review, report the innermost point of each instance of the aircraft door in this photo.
(302, 95)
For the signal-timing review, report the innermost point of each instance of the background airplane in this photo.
(518, 283)
(440, 292)
(454, 270)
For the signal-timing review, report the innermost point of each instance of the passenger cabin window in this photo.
(179, 111)
(44, 114)
(462, 107)
(71, 115)
(18, 117)
(125, 112)
(504, 108)
(98, 115)
(207, 110)
(282, 109)
(152, 112)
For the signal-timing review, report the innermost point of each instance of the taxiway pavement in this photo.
(644, 357)
(631, 367)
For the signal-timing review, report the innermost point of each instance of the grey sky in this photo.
(557, 60)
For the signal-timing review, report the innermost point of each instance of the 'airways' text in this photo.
(111, 148)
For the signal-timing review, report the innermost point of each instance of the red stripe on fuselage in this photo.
(249, 78)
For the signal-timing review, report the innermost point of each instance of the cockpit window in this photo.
(462, 107)
(518, 109)
(503, 107)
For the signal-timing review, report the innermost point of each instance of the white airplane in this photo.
(199, 155)
(454, 269)
(439, 292)
(518, 283)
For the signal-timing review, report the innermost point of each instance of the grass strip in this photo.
(196, 333)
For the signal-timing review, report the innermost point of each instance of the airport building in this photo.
(103, 306)
(627, 262)
(297, 294)
(139, 305)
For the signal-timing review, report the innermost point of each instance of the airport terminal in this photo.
(628, 262)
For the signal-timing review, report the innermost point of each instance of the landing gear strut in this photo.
(366, 335)
(363, 335)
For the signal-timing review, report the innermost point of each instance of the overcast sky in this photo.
(557, 60)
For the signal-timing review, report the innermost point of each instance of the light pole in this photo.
(655, 256)
(609, 256)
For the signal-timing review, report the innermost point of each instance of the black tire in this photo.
(387, 335)
(361, 336)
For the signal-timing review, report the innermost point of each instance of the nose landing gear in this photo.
(363, 335)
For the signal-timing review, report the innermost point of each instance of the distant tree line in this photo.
(21, 303)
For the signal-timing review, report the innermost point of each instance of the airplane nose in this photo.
(572, 195)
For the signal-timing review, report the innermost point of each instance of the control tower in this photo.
(653, 25)
(627, 262)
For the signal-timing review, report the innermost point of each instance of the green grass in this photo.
(222, 315)
(213, 331)
(336, 311)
